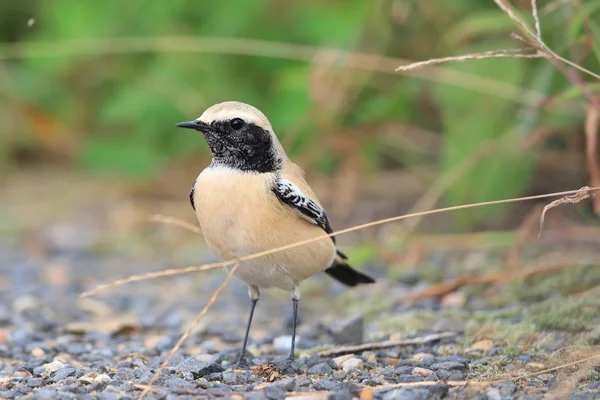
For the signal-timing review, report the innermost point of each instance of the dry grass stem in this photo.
(534, 40)
(591, 151)
(206, 267)
(506, 53)
(386, 344)
(545, 371)
(177, 222)
(260, 48)
(187, 333)
(547, 264)
(152, 275)
(584, 193)
(536, 18)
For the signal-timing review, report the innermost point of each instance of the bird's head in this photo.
(240, 137)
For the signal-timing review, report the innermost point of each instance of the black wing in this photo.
(192, 196)
(291, 195)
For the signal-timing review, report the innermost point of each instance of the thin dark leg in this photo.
(242, 359)
(295, 316)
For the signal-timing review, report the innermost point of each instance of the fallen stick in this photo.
(385, 344)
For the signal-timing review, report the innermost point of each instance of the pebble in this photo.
(422, 356)
(287, 385)
(102, 378)
(304, 381)
(282, 344)
(192, 369)
(423, 372)
(62, 374)
(274, 392)
(449, 365)
(347, 331)
(406, 378)
(35, 382)
(320, 369)
(326, 384)
(339, 375)
(352, 363)
(340, 360)
(38, 352)
(232, 378)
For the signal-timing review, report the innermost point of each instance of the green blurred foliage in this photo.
(115, 99)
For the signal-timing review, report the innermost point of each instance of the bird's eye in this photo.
(237, 123)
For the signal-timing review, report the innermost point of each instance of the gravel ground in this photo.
(56, 346)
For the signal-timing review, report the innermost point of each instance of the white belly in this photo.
(240, 216)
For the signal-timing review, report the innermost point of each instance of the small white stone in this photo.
(340, 360)
(54, 366)
(424, 372)
(102, 378)
(282, 344)
(88, 378)
(352, 363)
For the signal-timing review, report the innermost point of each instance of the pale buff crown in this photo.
(229, 110)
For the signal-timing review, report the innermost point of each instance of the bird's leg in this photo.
(289, 366)
(254, 294)
(295, 300)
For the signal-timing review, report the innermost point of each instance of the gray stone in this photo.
(215, 376)
(287, 385)
(407, 393)
(406, 378)
(126, 374)
(404, 370)
(348, 331)
(352, 363)
(449, 365)
(62, 374)
(175, 382)
(339, 375)
(231, 378)
(326, 384)
(192, 369)
(320, 369)
(274, 392)
(303, 381)
(35, 382)
(456, 376)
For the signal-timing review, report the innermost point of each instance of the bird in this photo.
(252, 198)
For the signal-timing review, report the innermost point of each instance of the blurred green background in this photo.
(96, 87)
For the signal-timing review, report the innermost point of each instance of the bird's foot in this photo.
(241, 363)
(288, 367)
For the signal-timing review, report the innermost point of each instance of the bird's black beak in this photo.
(197, 125)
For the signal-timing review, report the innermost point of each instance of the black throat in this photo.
(249, 149)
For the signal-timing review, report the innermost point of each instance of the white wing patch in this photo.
(291, 195)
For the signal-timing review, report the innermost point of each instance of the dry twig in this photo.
(387, 344)
(591, 151)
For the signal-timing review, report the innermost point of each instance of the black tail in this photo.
(348, 276)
